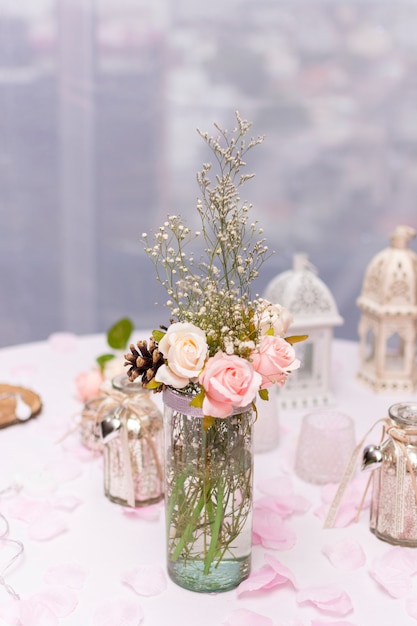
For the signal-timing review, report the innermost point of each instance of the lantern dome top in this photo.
(390, 280)
(304, 294)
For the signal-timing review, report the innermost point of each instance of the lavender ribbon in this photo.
(180, 402)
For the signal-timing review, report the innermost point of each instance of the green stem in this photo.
(215, 530)
(189, 528)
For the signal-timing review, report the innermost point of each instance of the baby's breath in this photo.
(214, 293)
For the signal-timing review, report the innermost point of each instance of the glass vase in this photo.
(208, 495)
(133, 435)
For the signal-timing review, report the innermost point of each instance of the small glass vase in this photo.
(132, 434)
(208, 495)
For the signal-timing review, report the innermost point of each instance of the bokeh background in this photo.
(99, 105)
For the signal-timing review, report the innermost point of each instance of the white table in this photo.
(105, 541)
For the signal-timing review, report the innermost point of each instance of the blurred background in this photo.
(99, 105)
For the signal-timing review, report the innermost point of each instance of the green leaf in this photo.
(158, 334)
(197, 401)
(118, 335)
(264, 394)
(270, 331)
(296, 338)
(102, 360)
(153, 384)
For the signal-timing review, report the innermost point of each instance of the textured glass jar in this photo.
(394, 497)
(133, 439)
(208, 495)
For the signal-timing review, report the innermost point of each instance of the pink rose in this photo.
(184, 347)
(229, 381)
(274, 359)
(88, 384)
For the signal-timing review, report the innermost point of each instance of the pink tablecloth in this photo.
(80, 550)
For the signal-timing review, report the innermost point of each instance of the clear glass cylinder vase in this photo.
(208, 495)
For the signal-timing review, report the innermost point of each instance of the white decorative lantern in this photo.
(314, 312)
(387, 328)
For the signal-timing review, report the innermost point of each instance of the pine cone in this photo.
(143, 361)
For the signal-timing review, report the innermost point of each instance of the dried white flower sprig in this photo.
(214, 293)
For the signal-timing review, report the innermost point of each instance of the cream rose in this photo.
(274, 316)
(273, 360)
(229, 381)
(184, 348)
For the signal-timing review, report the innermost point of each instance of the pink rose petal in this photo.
(270, 530)
(67, 574)
(285, 505)
(118, 612)
(59, 600)
(47, 527)
(261, 579)
(328, 599)
(393, 570)
(411, 607)
(145, 581)
(269, 576)
(147, 513)
(280, 569)
(244, 617)
(33, 612)
(346, 554)
(27, 510)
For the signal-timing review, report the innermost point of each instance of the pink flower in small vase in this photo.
(229, 381)
(273, 360)
(88, 384)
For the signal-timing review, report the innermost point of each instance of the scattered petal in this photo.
(263, 578)
(33, 612)
(244, 617)
(328, 599)
(146, 581)
(147, 513)
(271, 531)
(47, 527)
(345, 554)
(67, 574)
(285, 505)
(280, 569)
(393, 570)
(269, 576)
(59, 600)
(118, 612)
(27, 510)
(38, 483)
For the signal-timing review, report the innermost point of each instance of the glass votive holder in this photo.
(325, 446)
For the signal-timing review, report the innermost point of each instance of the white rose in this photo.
(184, 348)
(276, 317)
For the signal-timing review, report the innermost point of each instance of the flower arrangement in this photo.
(221, 345)
(221, 349)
